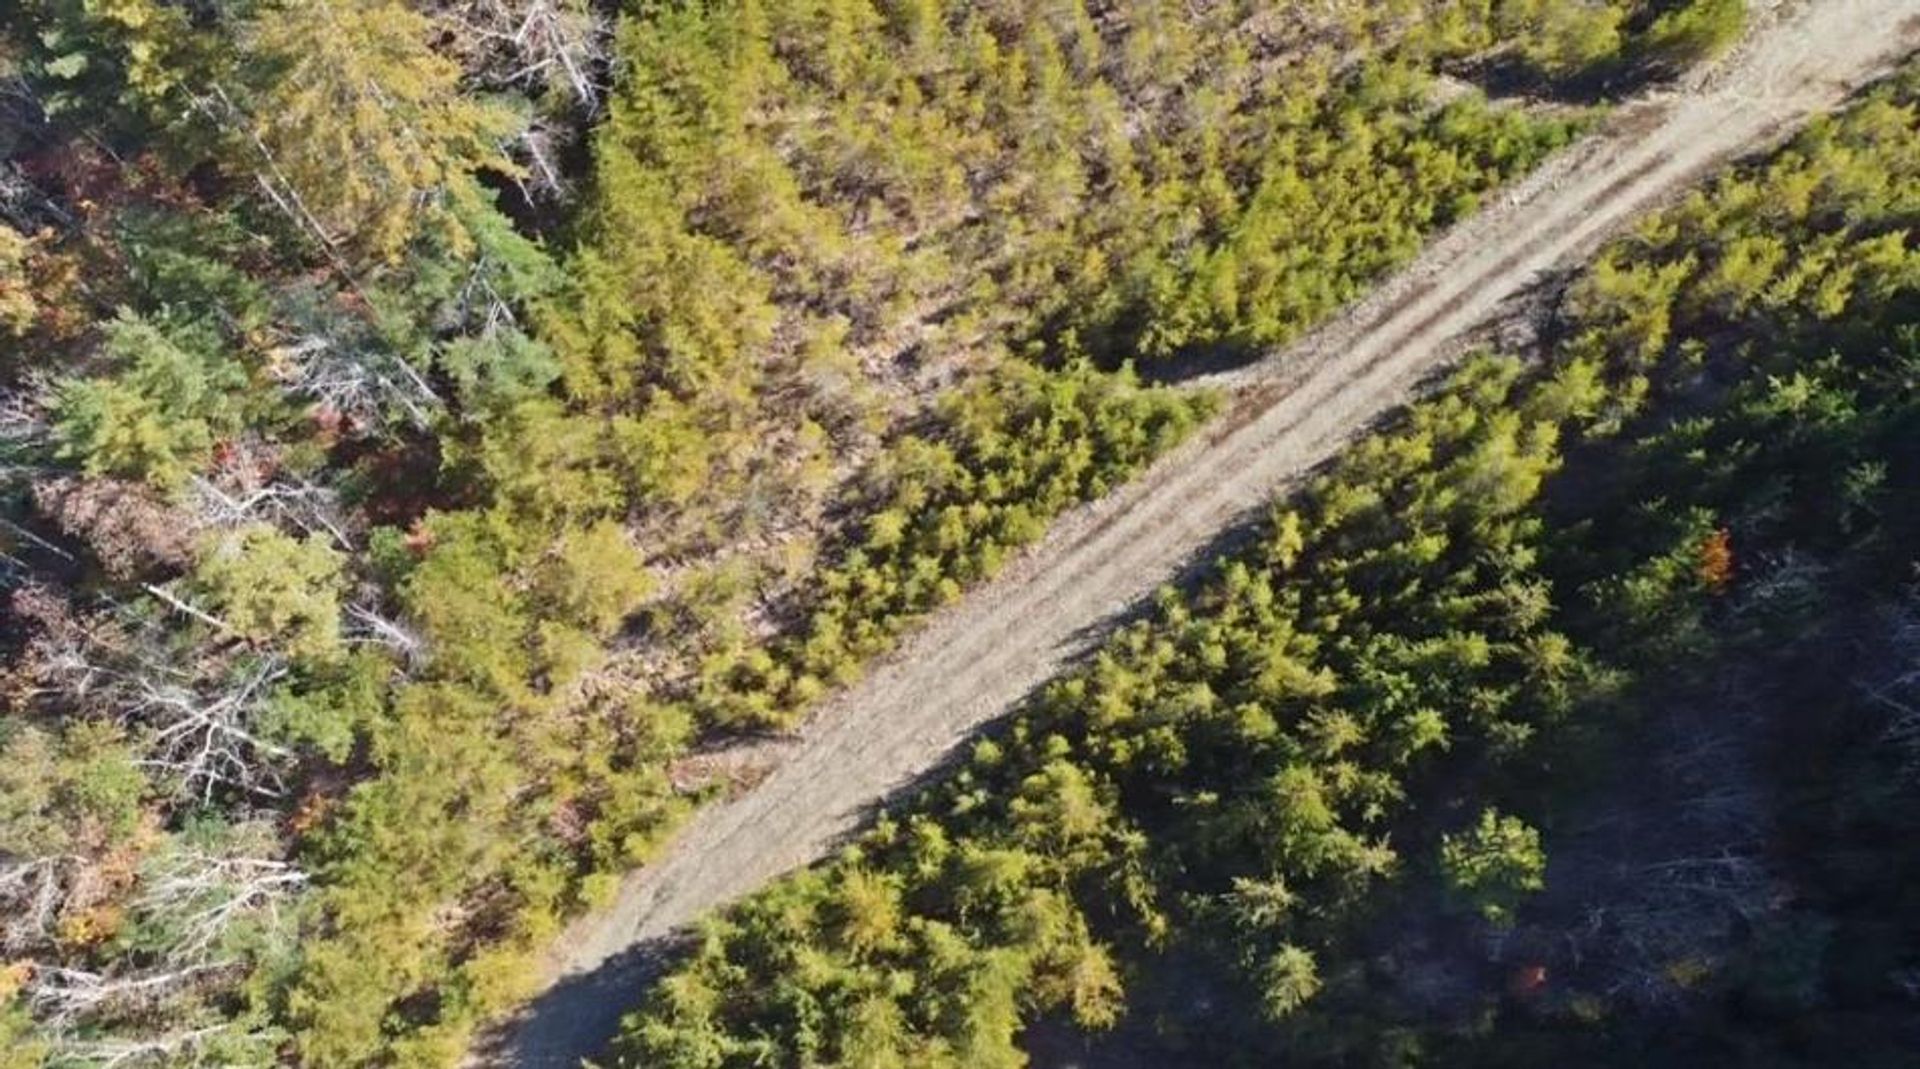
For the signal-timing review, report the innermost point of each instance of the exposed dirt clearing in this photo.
(976, 660)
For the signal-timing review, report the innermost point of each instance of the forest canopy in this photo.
(424, 422)
(1312, 807)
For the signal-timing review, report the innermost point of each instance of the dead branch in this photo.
(201, 896)
(365, 625)
(111, 1053)
(534, 43)
(201, 738)
(61, 995)
(32, 890)
(295, 504)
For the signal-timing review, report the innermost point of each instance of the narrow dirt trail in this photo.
(976, 660)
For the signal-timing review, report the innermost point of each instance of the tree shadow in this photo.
(1637, 68)
(574, 1022)
(1198, 362)
(577, 1019)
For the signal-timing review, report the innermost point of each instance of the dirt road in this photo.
(976, 660)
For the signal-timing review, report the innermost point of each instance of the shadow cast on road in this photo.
(575, 1021)
(578, 1017)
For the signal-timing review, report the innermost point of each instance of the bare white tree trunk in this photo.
(60, 995)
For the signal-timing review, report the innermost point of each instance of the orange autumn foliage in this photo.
(1716, 561)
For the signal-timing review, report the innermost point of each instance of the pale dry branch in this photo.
(61, 995)
(365, 625)
(355, 381)
(295, 504)
(31, 893)
(201, 896)
(202, 738)
(166, 1049)
(534, 43)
